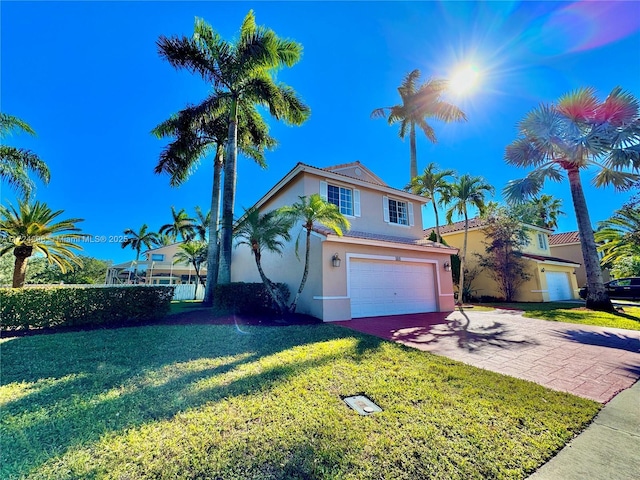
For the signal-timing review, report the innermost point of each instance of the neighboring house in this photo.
(552, 277)
(155, 267)
(385, 266)
(567, 245)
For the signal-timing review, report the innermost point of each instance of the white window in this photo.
(397, 211)
(346, 199)
(542, 241)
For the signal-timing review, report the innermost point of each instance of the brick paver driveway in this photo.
(592, 362)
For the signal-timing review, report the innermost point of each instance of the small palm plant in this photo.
(310, 210)
(137, 240)
(15, 163)
(194, 253)
(467, 191)
(266, 232)
(34, 228)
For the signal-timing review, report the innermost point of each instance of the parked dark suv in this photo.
(620, 288)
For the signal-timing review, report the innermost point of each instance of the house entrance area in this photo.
(390, 287)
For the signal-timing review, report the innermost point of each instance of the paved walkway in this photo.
(591, 362)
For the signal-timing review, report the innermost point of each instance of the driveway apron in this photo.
(588, 361)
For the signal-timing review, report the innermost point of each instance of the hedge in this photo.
(247, 298)
(46, 307)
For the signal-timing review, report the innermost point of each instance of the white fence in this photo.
(183, 291)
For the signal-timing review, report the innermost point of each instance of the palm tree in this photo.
(16, 163)
(310, 210)
(418, 104)
(244, 73)
(181, 225)
(467, 191)
(197, 130)
(576, 133)
(619, 236)
(34, 228)
(203, 223)
(431, 183)
(162, 240)
(193, 252)
(265, 232)
(137, 240)
(542, 211)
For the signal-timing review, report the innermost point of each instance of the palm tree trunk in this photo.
(413, 165)
(135, 270)
(305, 274)
(463, 258)
(435, 210)
(597, 297)
(268, 284)
(213, 249)
(229, 198)
(21, 253)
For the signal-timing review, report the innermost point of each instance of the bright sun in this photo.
(463, 79)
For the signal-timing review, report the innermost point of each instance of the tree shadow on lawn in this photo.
(602, 339)
(94, 383)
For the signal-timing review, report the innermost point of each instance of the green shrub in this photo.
(247, 298)
(45, 307)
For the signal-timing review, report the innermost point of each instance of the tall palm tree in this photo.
(310, 210)
(202, 224)
(137, 240)
(418, 104)
(197, 130)
(467, 191)
(34, 228)
(194, 253)
(619, 236)
(576, 133)
(242, 71)
(260, 233)
(430, 184)
(16, 163)
(182, 225)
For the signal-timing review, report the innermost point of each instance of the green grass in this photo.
(562, 312)
(207, 401)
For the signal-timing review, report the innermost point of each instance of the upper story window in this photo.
(157, 257)
(542, 241)
(342, 198)
(346, 199)
(397, 211)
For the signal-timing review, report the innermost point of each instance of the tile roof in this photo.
(544, 258)
(564, 238)
(384, 238)
(457, 226)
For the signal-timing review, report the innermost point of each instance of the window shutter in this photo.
(385, 208)
(356, 202)
(323, 190)
(411, 218)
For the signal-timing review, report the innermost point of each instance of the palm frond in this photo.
(618, 179)
(580, 105)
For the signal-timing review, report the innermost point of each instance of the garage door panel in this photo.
(559, 286)
(391, 288)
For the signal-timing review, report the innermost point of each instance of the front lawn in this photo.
(564, 312)
(218, 401)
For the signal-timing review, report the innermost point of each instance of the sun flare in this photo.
(463, 80)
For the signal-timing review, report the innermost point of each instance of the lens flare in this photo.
(463, 80)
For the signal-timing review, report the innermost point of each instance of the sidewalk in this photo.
(609, 448)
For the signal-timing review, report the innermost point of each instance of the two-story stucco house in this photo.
(381, 266)
(551, 278)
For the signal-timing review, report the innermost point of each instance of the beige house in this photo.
(551, 277)
(567, 245)
(382, 266)
(155, 267)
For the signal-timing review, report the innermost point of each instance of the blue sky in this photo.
(87, 77)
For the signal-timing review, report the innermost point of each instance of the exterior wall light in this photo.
(447, 266)
(335, 260)
(542, 269)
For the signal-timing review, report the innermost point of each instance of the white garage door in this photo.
(390, 288)
(558, 286)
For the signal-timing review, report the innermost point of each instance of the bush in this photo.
(247, 298)
(45, 307)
